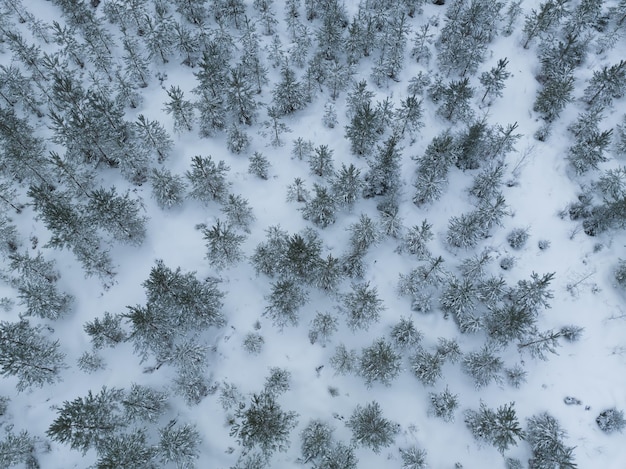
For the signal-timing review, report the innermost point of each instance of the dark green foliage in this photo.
(263, 424)
(289, 95)
(606, 85)
(591, 143)
(443, 404)
(545, 20)
(320, 209)
(177, 304)
(178, 444)
(379, 362)
(143, 403)
(127, 450)
(468, 29)
(464, 231)
(239, 97)
(321, 161)
(408, 116)
(29, 355)
(361, 131)
(484, 366)
(224, 245)
(253, 343)
(268, 255)
(611, 420)
(278, 381)
(427, 367)
(106, 331)
(286, 298)
(35, 281)
(517, 238)
(343, 360)
(404, 334)
(493, 80)
(383, 177)
(237, 140)
(329, 274)
(88, 422)
(259, 165)
(207, 179)
(433, 166)
(119, 215)
(16, 449)
(554, 96)
(182, 111)
(167, 189)
(500, 428)
(413, 458)
(545, 436)
(361, 306)
(370, 428)
(301, 257)
(324, 325)
(364, 234)
(316, 441)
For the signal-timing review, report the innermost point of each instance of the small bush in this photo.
(507, 263)
(253, 343)
(543, 244)
(517, 238)
(611, 420)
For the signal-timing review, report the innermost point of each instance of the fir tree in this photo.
(361, 131)
(259, 165)
(321, 161)
(545, 436)
(413, 458)
(144, 404)
(427, 367)
(180, 109)
(237, 140)
(383, 177)
(408, 116)
(443, 404)
(36, 285)
(404, 334)
(288, 93)
(88, 422)
(18, 449)
(154, 137)
(286, 298)
(454, 99)
(545, 20)
(316, 440)
(126, 450)
(224, 245)
(264, 424)
(168, 189)
(554, 96)
(379, 362)
(207, 179)
(323, 326)
(483, 366)
(611, 420)
(118, 215)
(29, 355)
(364, 234)
(178, 444)
(238, 212)
(493, 80)
(500, 428)
(239, 97)
(606, 85)
(346, 185)
(370, 428)
(320, 209)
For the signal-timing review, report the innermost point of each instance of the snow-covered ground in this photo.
(542, 184)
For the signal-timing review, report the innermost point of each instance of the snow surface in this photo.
(591, 369)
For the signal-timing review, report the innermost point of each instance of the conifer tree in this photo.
(320, 209)
(106, 331)
(346, 185)
(361, 131)
(286, 298)
(29, 355)
(383, 177)
(500, 428)
(259, 165)
(117, 215)
(379, 362)
(545, 436)
(178, 444)
(288, 94)
(362, 306)
(454, 98)
(321, 161)
(370, 428)
(207, 179)
(493, 80)
(484, 366)
(35, 281)
(153, 136)
(180, 109)
(224, 245)
(167, 189)
(263, 424)
(545, 20)
(316, 439)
